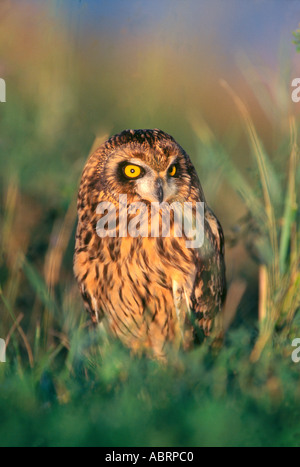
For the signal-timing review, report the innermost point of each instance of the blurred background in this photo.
(80, 70)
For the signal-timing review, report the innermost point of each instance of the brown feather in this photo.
(128, 283)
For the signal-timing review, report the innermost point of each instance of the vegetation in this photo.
(67, 384)
(297, 39)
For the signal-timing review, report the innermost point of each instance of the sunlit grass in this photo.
(66, 383)
(76, 387)
(296, 41)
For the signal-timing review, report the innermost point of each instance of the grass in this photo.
(276, 220)
(70, 385)
(296, 40)
(65, 384)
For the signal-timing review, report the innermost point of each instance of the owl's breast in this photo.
(143, 290)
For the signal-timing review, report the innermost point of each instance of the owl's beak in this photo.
(159, 191)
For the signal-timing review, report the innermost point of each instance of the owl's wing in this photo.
(210, 282)
(87, 275)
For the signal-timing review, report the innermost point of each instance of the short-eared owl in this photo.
(148, 290)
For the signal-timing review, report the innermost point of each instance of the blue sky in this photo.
(256, 26)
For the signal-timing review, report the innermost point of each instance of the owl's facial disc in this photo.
(149, 184)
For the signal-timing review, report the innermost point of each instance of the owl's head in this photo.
(146, 165)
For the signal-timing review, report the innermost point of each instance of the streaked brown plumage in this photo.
(147, 291)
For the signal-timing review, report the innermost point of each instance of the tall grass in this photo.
(66, 383)
(272, 224)
(297, 39)
(76, 387)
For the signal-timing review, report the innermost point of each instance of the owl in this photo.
(153, 292)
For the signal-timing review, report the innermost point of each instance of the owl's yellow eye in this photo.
(172, 170)
(132, 171)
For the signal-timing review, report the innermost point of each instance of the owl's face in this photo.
(150, 167)
(147, 182)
